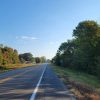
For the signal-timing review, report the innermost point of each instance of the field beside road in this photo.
(79, 83)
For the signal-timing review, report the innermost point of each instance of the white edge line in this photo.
(37, 86)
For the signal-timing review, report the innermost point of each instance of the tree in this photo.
(5, 55)
(65, 53)
(43, 59)
(8, 55)
(26, 57)
(15, 57)
(87, 33)
(57, 59)
(1, 56)
(37, 60)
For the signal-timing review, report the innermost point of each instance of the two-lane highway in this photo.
(19, 84)
(37, 82)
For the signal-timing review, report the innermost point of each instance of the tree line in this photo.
(82, 53)
(9, 55)
(28, 58)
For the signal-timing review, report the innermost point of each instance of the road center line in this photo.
(37, 86)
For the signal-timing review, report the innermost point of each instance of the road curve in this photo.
(20, 84)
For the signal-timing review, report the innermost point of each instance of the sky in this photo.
(40, 26)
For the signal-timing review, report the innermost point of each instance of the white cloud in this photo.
(26, 38)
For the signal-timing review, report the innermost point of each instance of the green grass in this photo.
(79, 77)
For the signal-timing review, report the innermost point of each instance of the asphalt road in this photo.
(37, 82)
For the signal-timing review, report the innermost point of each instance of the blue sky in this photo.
(40, 26)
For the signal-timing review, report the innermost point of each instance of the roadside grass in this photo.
(8, 67)
(80, 77)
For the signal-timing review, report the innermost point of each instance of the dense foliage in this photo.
(40, 59)
(8, 55)
(26, 57)
(83, 52)
(37, 60)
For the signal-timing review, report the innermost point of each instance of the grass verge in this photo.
(12, 67)
(79, 81)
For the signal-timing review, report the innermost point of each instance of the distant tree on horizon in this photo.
(26, 57)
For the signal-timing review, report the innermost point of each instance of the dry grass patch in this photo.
(8, 67)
